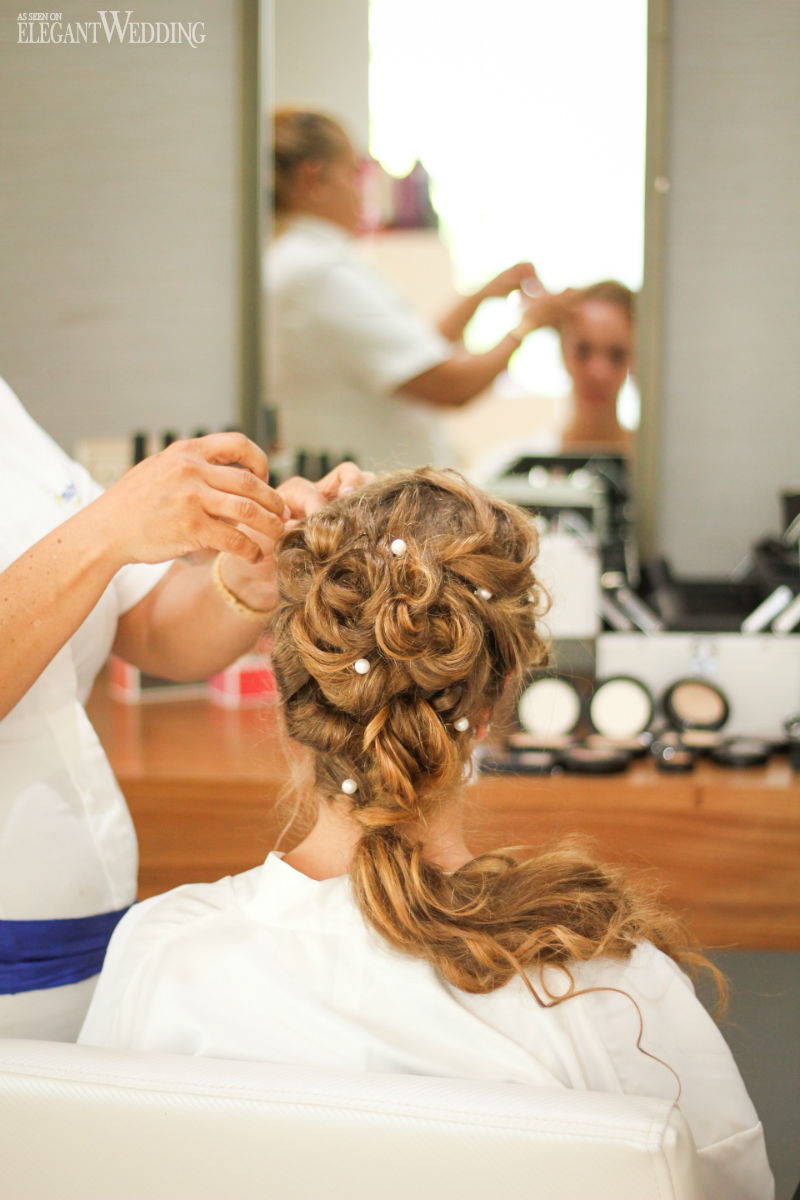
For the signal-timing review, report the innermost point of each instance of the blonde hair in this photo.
(301, 136)
(444, 625)
(611, 291)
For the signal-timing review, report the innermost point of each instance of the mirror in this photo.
(531, 131)
(715, 362)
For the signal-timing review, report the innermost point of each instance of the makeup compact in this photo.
(590, 760)
(670, 754)
(633, 747)
(549, 710)
(702, 741)
(620, 711)
(698, 709)
(673, 758)
(520, 762)
(742, 752)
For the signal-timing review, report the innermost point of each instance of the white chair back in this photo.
(77, 1123)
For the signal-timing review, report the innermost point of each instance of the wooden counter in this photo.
(203, 785)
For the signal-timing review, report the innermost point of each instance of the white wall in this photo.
(322, 59)
(120, 233)
(730, 416)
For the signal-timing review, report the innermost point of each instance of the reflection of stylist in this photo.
(354, 368)
(79, 576)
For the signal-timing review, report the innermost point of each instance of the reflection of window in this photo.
(530, 117)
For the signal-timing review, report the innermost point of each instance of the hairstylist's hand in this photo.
(549, 309)
(347, 477)
(510, 280)
(191, 497)
(255, 583)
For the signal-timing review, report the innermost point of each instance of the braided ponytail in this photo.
(442, 627)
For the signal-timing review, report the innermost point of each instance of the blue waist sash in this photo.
(47, 954)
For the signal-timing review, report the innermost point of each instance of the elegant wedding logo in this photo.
(50, 28)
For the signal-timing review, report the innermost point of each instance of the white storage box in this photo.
(759, 672)
(570, 572)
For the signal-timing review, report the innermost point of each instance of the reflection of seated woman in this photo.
(596, 326)
(379, 942)
(354, 369)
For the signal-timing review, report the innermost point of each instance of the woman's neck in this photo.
(594, 426)
(328, 849)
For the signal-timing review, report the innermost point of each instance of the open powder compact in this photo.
(701, 740)
(520, 762)
(674, 759)
(742, 752)
(697, 708)
(634, 747)
(588, 760)
(548, 710)
(671, 754)
(620, 711)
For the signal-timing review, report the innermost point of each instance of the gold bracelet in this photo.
(232, 600)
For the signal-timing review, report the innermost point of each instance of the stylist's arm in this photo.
(207, 494)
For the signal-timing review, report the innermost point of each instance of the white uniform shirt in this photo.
(273, 965)
(341, 341)
(67, 844)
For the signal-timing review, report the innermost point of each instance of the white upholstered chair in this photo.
(78, 1123)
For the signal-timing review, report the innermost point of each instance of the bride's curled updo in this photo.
(406, 609)
(438, 651)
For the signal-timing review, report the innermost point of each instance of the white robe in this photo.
(67, 844)
(273, 965)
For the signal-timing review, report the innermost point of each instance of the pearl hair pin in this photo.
(462, 724)
(484, 593)
(361, 666)
(398, 547)
(349, 787)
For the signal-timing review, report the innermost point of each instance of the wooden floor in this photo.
(203, 784)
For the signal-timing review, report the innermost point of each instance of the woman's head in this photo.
(597, 341)
(315, 168)
(425, 581)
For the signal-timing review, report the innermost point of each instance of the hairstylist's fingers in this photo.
(342, 479)
(522, 271)
(532, 285)
(509, 280)
(231, 539)
(266, 546)
(230, 448)
(546, 309)
(242, 511)
(243, 483)
(300, 496)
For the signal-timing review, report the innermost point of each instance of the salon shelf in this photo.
(203, 785)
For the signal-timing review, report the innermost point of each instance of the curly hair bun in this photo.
(442, 626)
(437, 650)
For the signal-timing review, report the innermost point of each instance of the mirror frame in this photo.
(256, 55)
(651, 300)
